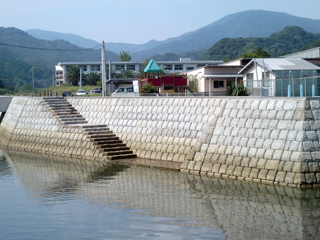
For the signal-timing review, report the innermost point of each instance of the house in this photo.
(281, 77)
(214, 80)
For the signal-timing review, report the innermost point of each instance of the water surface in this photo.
(51, 197)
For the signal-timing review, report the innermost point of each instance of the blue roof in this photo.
(152, 67)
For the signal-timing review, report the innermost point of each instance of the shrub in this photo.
(238, 90)
(149, 88)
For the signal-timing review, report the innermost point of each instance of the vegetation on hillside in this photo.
(289, 40)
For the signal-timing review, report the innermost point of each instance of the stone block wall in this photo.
(29, 125)
(267, 140)
(273, 141)
(157, 128)
(11, 119)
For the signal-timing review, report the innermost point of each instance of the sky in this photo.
(136, 21)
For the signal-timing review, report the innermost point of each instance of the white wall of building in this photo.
(310, 53)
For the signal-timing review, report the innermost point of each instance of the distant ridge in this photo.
(253, 23)
(72, 38)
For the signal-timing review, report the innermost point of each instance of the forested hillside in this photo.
(19, 52)
(289, 40)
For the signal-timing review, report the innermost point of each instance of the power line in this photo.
(49, 49)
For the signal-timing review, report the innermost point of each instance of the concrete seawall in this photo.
(267, 140)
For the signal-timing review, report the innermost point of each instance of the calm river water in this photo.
(48, 197)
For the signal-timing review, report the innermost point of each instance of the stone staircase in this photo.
(105, 140)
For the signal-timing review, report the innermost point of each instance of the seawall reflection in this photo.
(241, 210)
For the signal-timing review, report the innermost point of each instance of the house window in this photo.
(249, 76)
(190, 68)
(131, 67)
(218, 84)
(200, 65)
(84, 68)
(178, 67)
(167, 67)
(267, 75)
(95, 68)
(119, 67)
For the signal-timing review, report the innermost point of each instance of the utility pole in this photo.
(109, 69)
(109, 76)
(33, 80)
(80, 77)
(103, 62)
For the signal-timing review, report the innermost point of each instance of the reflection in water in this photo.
(240, 210)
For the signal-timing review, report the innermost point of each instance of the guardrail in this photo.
(185, 94)
(47, 93)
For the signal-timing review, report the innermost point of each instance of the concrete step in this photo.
(73, 119)
(115, 149)
(62, 108)
(111, 145)
(94, 126)
(115, 153)
(107, 137)
(97, 131)
(74, 122)
(59, 105)
(100, 143)
(111, 138)
(64, 112)
(102, 136)
(70, 116)
(97, 135)
(122, 156)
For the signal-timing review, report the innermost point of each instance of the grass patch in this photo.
(66, 87)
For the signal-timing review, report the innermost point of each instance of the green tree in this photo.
(73, 75)
(149, 88)
(193, 83)
(125, 56)
(127, 73)
(258, 53)
(92, 78)
(26, 88)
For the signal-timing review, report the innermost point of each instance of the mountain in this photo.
(72, 38)
(33, 50)
(253, 23)
(312, 45)
(19, 52)
(289, 40)
(88, 43)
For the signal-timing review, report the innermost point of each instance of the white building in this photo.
(310, 53)
(214, 80)
(185, 64)
(279, 76)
